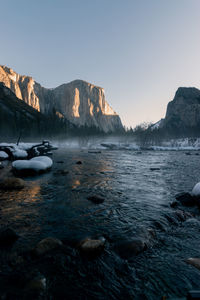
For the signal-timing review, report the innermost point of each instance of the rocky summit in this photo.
(80, 102)
(183, 113)
(184, 109)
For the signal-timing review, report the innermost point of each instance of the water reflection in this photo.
(135, 196)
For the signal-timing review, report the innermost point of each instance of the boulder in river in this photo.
(46, 245)
(127, 249)
(185, 199)
(92, 246)
(195, 262)
(12, 183)
(174, 204)
(8, 236)
(155, 169)
(95, 199)
(79, 162)
(36, 287)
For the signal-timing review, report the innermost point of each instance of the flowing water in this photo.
(136, 196)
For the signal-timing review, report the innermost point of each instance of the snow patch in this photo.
(20, 153)
(37, 164)
(3, 155)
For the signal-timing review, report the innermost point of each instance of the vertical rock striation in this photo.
(80, 102)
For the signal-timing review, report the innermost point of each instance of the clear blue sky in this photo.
(140, 51)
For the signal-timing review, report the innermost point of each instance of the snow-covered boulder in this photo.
(18, 153)
(3, 155)
(196, 190)
(36, 165)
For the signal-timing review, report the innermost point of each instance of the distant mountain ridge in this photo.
(79, 102)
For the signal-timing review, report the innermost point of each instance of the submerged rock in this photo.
(195, 262)
(46, 245)
(92, 246)
(154, 169)
(161, 224)
(128, 249)
(174, 204)
(36, 287)
(96, 199)
(187, 153)
(61, 172)
(185, 199)
(8, 236)
(12, 183)
(79, 162)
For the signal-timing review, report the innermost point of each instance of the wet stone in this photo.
(187, 153)
(174, 204)
(36, 287)
(46, 245)
(185, 199)
(154, 169)
(195, 262)
(96, 199)
(92, 246)
(131, 248)
(8, 236)
(12, 183)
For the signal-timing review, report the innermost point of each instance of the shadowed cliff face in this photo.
(17, 117)
(78, 101)
(184, 110)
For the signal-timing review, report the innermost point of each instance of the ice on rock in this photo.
(20, 153)
(3, 155)
(36, 164)
(196, 190)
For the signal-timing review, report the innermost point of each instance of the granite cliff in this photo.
(183, 113)
(79, 102)
(184, 109)
(18, 118)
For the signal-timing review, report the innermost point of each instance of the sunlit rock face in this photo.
(84, 104)
(22, 86)
(80, 102)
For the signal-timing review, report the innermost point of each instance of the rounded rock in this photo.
(12, 183)
(46, 245)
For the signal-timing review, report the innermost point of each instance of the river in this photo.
(138, 188)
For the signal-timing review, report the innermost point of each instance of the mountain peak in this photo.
(79, 101)
(187, 92)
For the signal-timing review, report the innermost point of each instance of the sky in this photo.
(139, 51)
